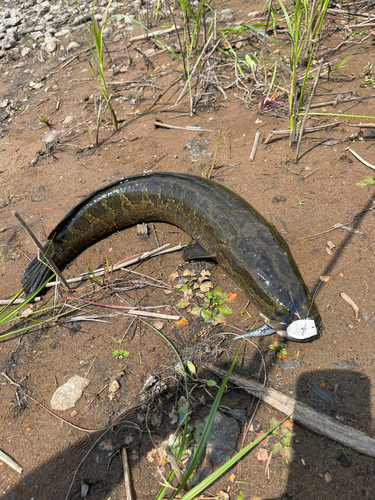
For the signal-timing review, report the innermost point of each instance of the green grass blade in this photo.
(190, 495)
(202, 443)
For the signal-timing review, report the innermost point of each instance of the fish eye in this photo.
(279, 311)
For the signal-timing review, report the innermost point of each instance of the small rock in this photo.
(36, 85)
(142, 229)
(68, 120)
(50, 46)
(113, 386)
(366, 316)
(159, 325)
(222, 441)
(44, 8)
(35, 35)
(226, 15)
(12, 22)
(25, 51)
(71, 46)
(84, 489)
(67, 395)
(291, 365)
(328, 477)
(279, 199)
(51, 136)
(63, 32)
(4, 103)
(8, 42)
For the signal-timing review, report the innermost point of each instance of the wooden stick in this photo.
(9, 461)
(307, 130)
(303, 414)
(188, 129)
(137, 312)
(99, 272)
(255, 145)
(362, 125)
(154, 33)
(19, 301)
(361, 159)
(125, 465)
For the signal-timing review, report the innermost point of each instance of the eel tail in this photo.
(36, 273)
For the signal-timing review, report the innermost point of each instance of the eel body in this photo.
(254, 254)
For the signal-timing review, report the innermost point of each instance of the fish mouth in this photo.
(301, 330)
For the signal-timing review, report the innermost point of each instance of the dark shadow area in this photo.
(323, 468)
(354, 224)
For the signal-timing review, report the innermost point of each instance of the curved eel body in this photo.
(254, 254)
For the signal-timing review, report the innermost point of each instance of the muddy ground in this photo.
(42, 183)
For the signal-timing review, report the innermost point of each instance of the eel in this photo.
(228, 228)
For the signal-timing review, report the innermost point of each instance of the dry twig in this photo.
(255, 145)
(9, 461)
(360, 159)
(159, 124)
(125, 465)
(351, 303)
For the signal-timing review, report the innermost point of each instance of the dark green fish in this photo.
(228, 229)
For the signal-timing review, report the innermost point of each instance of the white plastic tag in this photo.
(302, 329)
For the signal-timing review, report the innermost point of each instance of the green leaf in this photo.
(206, 315)
(183, 303)
(191, 367)
(225, 310)
(196, 311)
(211, 383)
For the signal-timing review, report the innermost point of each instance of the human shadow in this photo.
(321, 467)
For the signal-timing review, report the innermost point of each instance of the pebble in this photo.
(67, 395)
(365, 316)
(225, 16)
(222, 441)
(287, 365)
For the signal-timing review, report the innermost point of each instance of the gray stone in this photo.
(63, 32)
(287, 364)
(50, 46)
(366, 316)
(71, 46)
(14, 34)
(51, 136)
(35, 35)
(68, 120)
(8, 42)
(44, 8)
(81, 19)
(68, 394)
(25, 51)
(226, 15)
(13, 21)
(222, 441)
(55, 9)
